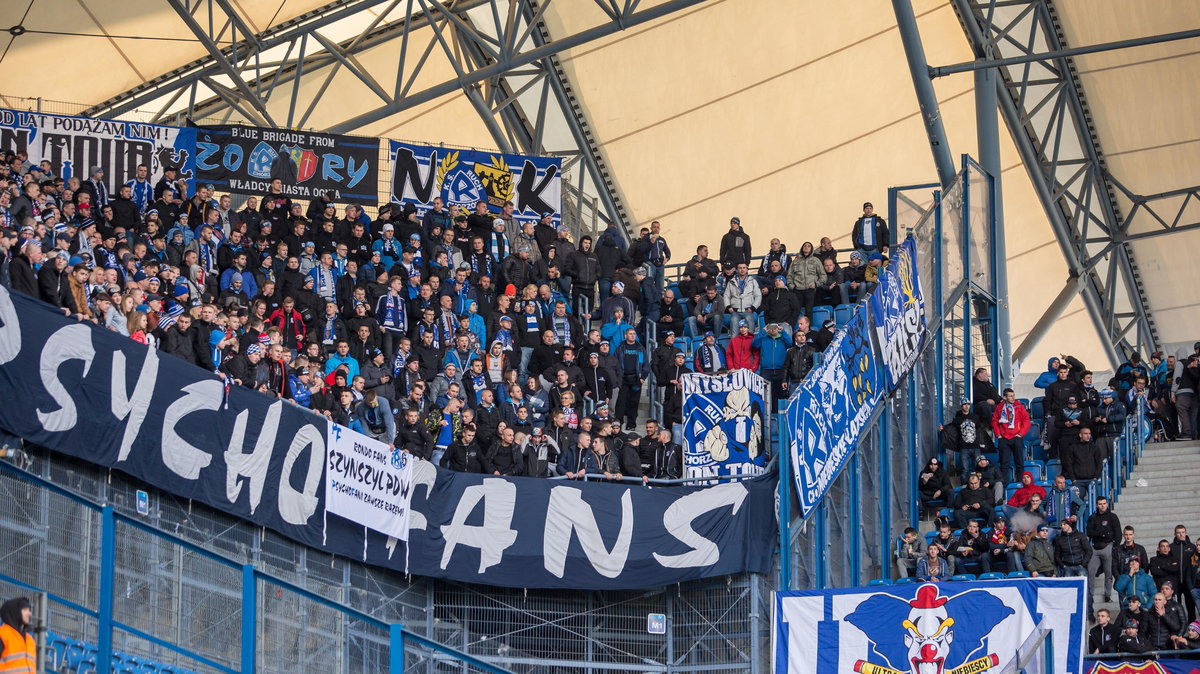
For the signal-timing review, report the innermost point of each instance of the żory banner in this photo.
(929, 628)
(368, 482)
(108, 400)
(245, 159)
(898, 313)
(463, 177)
(828, 412)
(74, 145)
(724, 424)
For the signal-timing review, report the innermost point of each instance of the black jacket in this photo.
(1103, 529)
(735, 247)
(24, 279)
(1103, 639)
(583, 268)
(415, 438)
(1072, 549)
(508, 460)
(1082, 461)
(798, 362)
(54, 287)
(881, 234)
(466, 458)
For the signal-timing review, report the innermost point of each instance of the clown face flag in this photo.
(947, 628)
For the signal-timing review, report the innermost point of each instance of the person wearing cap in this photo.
(95, 186)
(735, 244)
(1135, 582)
(1189, 640)
(854, 277)
(741, 353)
(1132, 639)
(1129, 372)
(1067, 421)
(968, 434)
(933, 484)
(870, 232)
(780, 305)
(1038, 558)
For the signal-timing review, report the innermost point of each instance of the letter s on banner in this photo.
(568, 515)
(10, 328)
(678, 518)
(73, 342)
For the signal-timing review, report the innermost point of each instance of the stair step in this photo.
(1183, 463)
(1188, 450)
(1148, 497)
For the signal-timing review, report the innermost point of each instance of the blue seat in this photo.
(1037, 408)
(1011, 489)
(1019, 574)
(991, 575)
(929, 536)
(1024, 401)
(842, 314)
(963, 577)
(880, 581)
(1036, 467)
(1053, 468)
(821, 313)
(904, 581)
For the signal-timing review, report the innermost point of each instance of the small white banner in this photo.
(368, 482)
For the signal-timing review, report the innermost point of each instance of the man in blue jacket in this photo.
(772, 349)
(631, 358)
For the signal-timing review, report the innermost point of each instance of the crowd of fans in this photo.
(1044, 531)
(477, 340)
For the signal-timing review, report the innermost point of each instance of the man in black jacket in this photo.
(413, 437)
(1183, 550)
(1082, 461)
(735, 245)
(870, 233)
(24, 278)
(1055, 400)
(667, 463)
(465, 456)
(1103, 529)
(1103, 637)
(1131, 640)
(505, 455)
(972, 502)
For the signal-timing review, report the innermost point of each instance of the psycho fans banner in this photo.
(106, 399)
(929, 628)
(464, 177)
(829, 411)
(724, 429)
(74, 145)
(245, 159)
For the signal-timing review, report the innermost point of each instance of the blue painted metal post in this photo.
(249, 618)
(396, 649)
(918, 67)
(785, 506)
(108, 555)
(968, 274)
(987, 130)
(819, 552)
(913, 446)
(856, 552)
(885, 486)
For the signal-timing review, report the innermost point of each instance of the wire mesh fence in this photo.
(165, 593)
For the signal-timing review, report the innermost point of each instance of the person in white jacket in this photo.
(742, 297)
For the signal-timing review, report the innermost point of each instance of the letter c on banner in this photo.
(73, 342)
(295, 507)
(10, 328)
(678, 518)
(182, 457)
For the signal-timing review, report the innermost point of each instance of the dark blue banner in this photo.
(464, 177)
(828, 412)
(898, 313)
(108, 400)
(246, 159)
(1164, 666)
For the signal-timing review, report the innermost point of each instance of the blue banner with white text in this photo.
(827, 413)
(898, 313)
(465, 177)
(90, 393)
(1160, 666)
(724, 424)
(932, 628)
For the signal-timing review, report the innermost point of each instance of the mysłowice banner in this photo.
(106, 399)
(867, 360)
(725, 428)
(930, 628)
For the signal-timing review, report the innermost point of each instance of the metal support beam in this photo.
(513, 61)
(986, 63)
(1048, 117)
(1049, 317)
(931, 115)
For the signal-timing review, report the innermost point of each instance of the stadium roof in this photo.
(786, 114)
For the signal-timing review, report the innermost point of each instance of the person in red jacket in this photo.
(1021, 496)
(1010, 423)
(290, 323)
(741, 354)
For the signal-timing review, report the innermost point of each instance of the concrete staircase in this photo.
(1171, 495)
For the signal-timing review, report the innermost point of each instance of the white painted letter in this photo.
(10, 328)
(73, 342)
(135, 406)
(496, 534)
(181, 456)
(678, 518)
(295, 507)
(567, 516)
(252, 466)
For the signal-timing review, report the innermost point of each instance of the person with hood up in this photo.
(1021, 496)
(968, 435)
(741, 353)
(1045, 378)
(16, 635)
(934, 483)
(803, 275)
